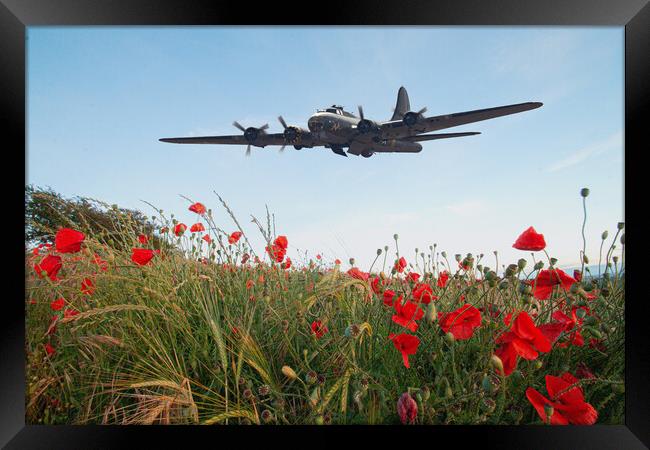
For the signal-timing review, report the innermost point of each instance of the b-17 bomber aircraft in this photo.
(337, 129)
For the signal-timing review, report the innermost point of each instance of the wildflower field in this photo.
(190, 325)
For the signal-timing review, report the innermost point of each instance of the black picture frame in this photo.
(634, 15)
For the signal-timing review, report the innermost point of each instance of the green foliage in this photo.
(182, 341)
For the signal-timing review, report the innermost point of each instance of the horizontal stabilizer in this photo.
(431, 137)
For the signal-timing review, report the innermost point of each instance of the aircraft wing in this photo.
(239, 139)
(397, 128)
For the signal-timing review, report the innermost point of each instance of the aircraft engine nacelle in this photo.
(366, 126)
(251, 134)
(411, 118)
(367, 153)
(293, 135)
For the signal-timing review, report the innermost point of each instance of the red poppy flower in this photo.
(530, 240)
(400, 265)
(70, 312)
(337, 262)
(569, 406)
(250, 284)
(443, 278)
(407, 408)
(524, 340)
(103, 265)
(389, 295)
(87, 286)
(143, 239)
(287, 263)
(407, 314)
(49, 349)
(359, 275)
(164, 230)
(198, 208)
(179, 229)
(318, 256)
(547, 279)
(142, 256)
(207, 238)
(68, 240)
(276, 253)
(462, 322)
(423, 293)
(50, 265)
(577, 275)
(234, 237)
(197, 227)
(571, 324)
(406, 344)
(412, 276)
(282, 242)
(245, 258)
(318, 329)
(57, 304)
(376, 285)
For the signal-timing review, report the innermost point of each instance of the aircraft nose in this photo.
(314, 124)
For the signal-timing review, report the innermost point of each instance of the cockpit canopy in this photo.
(336, 109)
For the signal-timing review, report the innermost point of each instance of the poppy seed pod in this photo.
(521, 264)
(311, 377)
(623, 239)
(620, 225)
(458, 257)
(267, 416)
(443, 254)
(604, 235)
(584, 192)
(553, 262)
(352, 261)
(378, 251)
(539, 265)
(395, 236)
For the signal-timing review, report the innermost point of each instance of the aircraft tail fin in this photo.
(402, 106)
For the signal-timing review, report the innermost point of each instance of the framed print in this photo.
(401, 221)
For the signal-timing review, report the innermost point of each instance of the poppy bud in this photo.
(289, 373)
(449, 338)
(604, 235)
(496, 363)
(378, 251)
(553, 262)
(486, 384)
(581, 313)
(548, 409)
(521, 264)
(431, 314)
(620, 225)
(426, 393)
(479, 267)
(315, 396)
(352, 261)
(585, 259)
(458, 257)
(538, 364)
(382, 275)
(618, 388)
(623, 239)
(584, 192)
(319, 420)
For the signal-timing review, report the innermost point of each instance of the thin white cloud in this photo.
(467, 208)
(612, 142)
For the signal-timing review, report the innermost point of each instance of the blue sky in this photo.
(99, 98)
